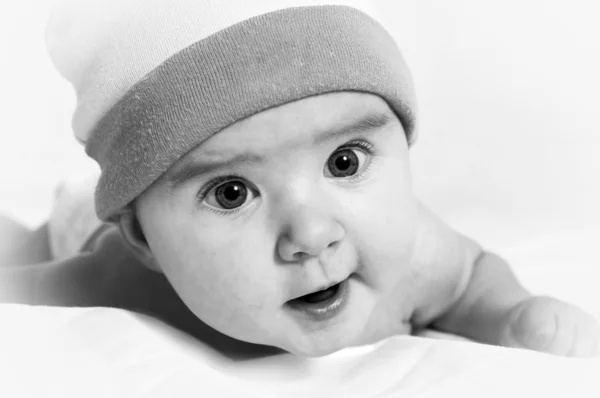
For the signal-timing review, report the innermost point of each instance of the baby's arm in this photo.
(107, 276)
(493, 307)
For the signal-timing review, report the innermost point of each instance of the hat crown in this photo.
(103, 47)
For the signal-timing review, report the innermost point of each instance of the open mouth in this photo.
(321, 295)
(322, 304)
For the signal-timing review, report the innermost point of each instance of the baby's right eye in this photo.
(229, 195)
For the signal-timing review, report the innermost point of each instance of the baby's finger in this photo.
(553, 326)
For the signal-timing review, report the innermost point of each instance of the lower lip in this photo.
(326, 309)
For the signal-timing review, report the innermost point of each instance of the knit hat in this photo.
(155, 78)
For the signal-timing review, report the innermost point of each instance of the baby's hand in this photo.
(553, 326)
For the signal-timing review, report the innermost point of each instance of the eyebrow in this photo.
(365, 124)
(192, 168)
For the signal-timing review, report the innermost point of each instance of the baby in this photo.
(256, 154)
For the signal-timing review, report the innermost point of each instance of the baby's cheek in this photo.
(387, 246)
(219, 294)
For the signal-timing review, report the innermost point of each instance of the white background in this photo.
(37, 149)
(508, 94)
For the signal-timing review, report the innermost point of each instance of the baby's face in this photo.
(311, 195)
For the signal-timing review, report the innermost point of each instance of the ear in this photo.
(134, 236)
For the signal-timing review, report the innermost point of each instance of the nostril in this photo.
(303, 255)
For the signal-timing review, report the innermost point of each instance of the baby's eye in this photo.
(346, 162)
(229, 195)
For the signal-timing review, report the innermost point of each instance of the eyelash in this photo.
(357, 143)
(212, 184)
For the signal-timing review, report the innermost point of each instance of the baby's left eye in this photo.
(346, 162)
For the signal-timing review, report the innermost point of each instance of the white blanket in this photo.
(58, 352)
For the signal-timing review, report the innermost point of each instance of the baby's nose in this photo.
(307, 232)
